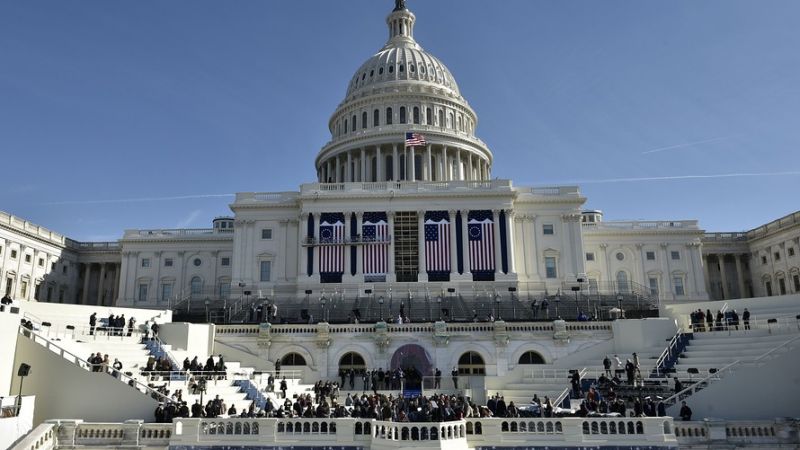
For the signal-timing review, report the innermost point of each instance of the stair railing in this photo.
(83, 364)
(667, 353)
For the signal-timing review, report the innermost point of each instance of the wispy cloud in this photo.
(138, 200)
(189, 219)
(683, 177)
(688, 144)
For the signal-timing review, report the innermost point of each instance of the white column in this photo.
(315, 266)
(412, 166)
(395, 164)
(349, 169)
(302, 266)
(498, 255)
(465, 242)
(329, 172)
(443, 165)
(423, 268)
(453, 244)
(725, 290)
(512, 265)
(363, 176)
(390, 277)
(740, 275)
(429, 159)
(459, 175)
(706, 274)
(359, 249)
(469, 167)
(86, 272)
(379, 164)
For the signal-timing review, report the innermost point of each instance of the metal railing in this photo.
(667, 353)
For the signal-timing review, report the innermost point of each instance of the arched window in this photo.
(196, 286)
(452, 121)
(471, 363)
(622, 281)
(389, 165)
(293, 359)
(380, 70)
(402, 114)
(429, 116)
(376, 118)
(364, 119)
(391, 69)
(416, 115)
(441, 118)
(345, 125)
(531, 357)
(352, 360)
(388, 116)
(353, 125)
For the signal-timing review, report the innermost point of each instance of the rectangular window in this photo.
(168, 262)
(590, 256)
(675, 255)
(142, 292)
(266, 233)
(23, 289)
(224, 290)
(61, 293)
(52, 267)
(64, 269)
(768, 285)
(796, 280)
(41, 262)
(145, 262)
(763, 260)
(49, 293)
(654, 286)
(28, 259)
(9, 285)
(593, 285)
(13, 254)
(166, 292)
(225, 261)
(777, 256)
(266, 268)
(791, 251)
(678, 283)
(550, 267)
(547, 228)
(651, 256)
(782, 285)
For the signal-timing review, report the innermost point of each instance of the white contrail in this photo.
(137, 200)
(688, 144)
(687, 177)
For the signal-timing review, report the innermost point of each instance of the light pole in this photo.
(206, 302)
(380, 302)
(619, 307)
(558, 300)
(497, 304)
(410, 300)
(439, 306)
(575, 289)
(322, 302)
(23, 371)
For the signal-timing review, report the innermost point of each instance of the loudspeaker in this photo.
(247, 292)
(24, 370)
(309, 292)
(512, 289)
(368, 291)
(451, 290)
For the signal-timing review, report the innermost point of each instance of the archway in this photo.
(471, 363)
(414, 361)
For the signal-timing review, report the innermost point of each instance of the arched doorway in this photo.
(414, 361)
(531, 357)
(471, 363)
(352, 361)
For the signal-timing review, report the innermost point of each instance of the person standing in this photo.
(454, 375)
(92, 323)
(686, 412)
(437, 379)
(284, 387)
(607, 365)
(746, 319)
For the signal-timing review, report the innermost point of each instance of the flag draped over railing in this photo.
(332, 239)
(437, 241)
(480, 230)
(375, 237)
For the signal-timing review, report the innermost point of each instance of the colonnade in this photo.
(102, 283)
(501, 259)
(393, 162)
(728, 288)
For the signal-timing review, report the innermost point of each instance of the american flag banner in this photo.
(415, 139)
(480, 229)
(437, 241)
(331, 231)
(375, 248)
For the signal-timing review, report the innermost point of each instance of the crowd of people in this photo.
(707, 321)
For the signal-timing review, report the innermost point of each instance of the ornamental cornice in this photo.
(421, 195)
(640, 232)
(210, 238)
(385, 99)
(571, 217)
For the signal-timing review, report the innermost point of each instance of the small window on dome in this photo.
(371, 73)
(402, 68)
(421, 69)
(380, 71)
(391, 69)
(411, 68)
(363, 76)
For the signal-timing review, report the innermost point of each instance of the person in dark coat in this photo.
(746, 319)
(686, 412)
(92, 322)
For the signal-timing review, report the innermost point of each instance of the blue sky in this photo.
(141, 100)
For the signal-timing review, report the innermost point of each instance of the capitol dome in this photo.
(403, 89)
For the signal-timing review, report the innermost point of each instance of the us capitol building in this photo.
(405, 254)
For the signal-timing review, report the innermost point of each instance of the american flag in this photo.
(437, 241)
(375, 255)
(414, 139)
(480, 229)
(331, 231)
